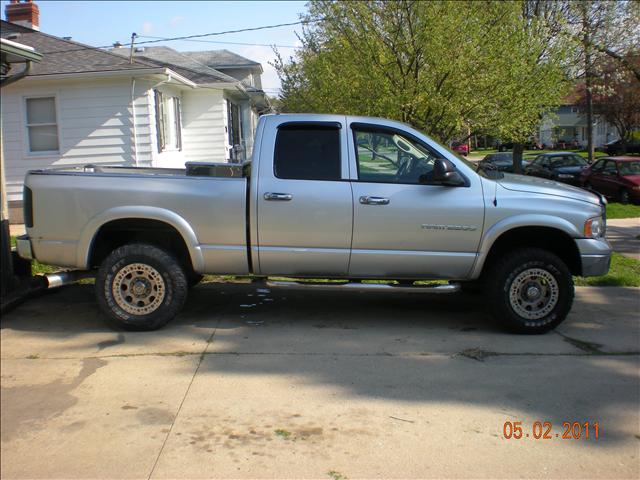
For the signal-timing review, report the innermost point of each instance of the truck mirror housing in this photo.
(445, 173)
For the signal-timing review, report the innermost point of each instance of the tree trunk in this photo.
(588, 80)
(518, 149)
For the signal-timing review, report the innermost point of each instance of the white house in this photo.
(83, 105)
(567, 126)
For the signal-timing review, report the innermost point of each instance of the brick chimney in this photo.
(24, 13)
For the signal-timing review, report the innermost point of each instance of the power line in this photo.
(226, 43)
(188, 37)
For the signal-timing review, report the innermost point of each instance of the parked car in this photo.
(615, 147)
(503, 162)
(461, 148)
(565, 167)
(615, 177)
(530, 145)
(325, 196)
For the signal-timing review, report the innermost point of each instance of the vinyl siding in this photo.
(203, 133)
(95, 125)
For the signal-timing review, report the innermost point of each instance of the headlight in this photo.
(565, 175)
(595, 227)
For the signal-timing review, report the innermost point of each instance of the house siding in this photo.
(203, 134)
(95, 125)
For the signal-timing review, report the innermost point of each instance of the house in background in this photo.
(83, 105)
(566, 127)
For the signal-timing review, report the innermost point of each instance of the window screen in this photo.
(307, 152)
(41, 124)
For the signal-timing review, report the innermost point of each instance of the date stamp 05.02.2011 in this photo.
(544, 431)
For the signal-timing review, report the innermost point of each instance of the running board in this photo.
(365, 287)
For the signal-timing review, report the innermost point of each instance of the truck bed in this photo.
(205, 203)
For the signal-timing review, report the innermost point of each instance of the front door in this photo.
(403, 228)
(305, 212)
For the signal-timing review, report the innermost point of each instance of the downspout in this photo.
(133, 113)
(15, 78)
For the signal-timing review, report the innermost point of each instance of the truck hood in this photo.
(521, 183)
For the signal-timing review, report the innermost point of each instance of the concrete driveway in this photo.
(273, 384)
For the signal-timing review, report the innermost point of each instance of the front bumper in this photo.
(595, 255)
(23, 246)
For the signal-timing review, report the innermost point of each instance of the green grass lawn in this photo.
(618, 210)
(624, 272)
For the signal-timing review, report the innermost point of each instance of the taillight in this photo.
(27, 208)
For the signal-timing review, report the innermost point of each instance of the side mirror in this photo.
(445, 173)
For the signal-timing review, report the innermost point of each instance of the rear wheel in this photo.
(623, 196)
(140, 287)
(530, 290)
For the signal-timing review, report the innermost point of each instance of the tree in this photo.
(604, 33)
(616, 97)
(443, 67)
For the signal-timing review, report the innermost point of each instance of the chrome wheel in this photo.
(533, 294)
(138, 289)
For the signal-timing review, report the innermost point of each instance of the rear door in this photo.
(304, 202)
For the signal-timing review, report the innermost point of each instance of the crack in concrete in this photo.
(588, 347)
(473, 353)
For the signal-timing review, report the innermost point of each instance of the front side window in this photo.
(168, 123)
(610, 168)
(307, 152)
(597, 166)
(42, 125)
(388, 157)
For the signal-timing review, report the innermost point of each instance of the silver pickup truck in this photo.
(325, 196)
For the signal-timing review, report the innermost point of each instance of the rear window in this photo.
(307, 152)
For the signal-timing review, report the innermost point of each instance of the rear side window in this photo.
(307, 152)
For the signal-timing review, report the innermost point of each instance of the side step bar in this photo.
(364, 287)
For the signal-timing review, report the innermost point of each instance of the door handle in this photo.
(283, 197)
(366, 200)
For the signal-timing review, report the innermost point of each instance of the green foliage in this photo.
(443, 67)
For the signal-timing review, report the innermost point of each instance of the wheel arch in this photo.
(552, 234)
(119, 224)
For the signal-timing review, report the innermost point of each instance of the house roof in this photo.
(222, 59)
(179, 62)
(62, 56)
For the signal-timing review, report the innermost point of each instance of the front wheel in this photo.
(140, 287)
(530, 290)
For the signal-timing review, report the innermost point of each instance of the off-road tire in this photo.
(500, 287)
(173, 281)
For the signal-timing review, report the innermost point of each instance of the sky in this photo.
(102, 23)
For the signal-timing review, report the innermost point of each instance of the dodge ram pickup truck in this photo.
(324, 196)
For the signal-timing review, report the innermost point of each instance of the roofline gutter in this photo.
(115, 73)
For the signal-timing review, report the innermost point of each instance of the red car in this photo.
(614, 177)
(461, 148)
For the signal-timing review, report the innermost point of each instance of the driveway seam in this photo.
(166, 438)
(335, 354)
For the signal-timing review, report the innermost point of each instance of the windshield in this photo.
(629, 168)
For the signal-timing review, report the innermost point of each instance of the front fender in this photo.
(139, 211)
(509, 223)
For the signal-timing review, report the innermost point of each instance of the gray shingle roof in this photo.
(221, 59)
(67, 56)
(192, 69)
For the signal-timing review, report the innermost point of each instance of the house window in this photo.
(168, 124)
(42, 126)
(235, 133)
